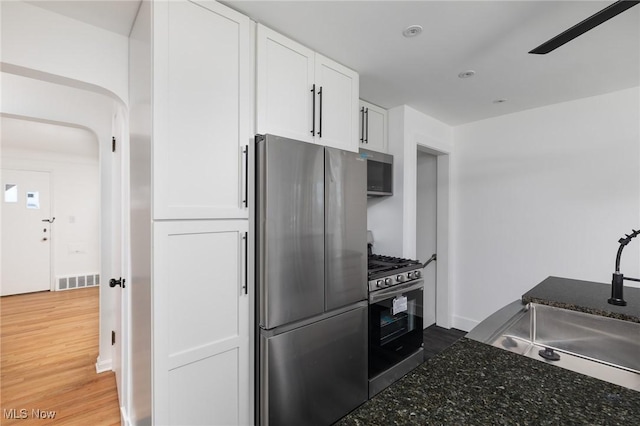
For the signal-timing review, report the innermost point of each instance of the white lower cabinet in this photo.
(201, 323)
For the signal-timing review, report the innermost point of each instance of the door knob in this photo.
(44, 239)
(113, 282)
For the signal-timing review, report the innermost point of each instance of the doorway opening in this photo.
(432, 231)
(426, 228)
(51, 208)
(34, 95)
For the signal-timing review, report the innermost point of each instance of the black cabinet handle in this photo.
(313, 108)
(366, 140)
(320, 129)
(246, 176)
(362, 125)
(245, 237)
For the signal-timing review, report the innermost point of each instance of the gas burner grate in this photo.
(379, 265)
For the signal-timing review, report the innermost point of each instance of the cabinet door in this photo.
(337, 110)
(201, 110)
(284, 100)
(201, 332)
(374, 124)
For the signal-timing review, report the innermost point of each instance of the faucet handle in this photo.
(616, 290)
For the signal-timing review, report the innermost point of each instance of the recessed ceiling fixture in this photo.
(467, 74)
(500, 101)
(412, 31)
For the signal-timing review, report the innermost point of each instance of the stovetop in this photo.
(386, 271)
(380, 264)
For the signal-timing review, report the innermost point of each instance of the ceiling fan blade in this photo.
(584, 26)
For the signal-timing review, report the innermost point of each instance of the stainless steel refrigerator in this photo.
(311, 279)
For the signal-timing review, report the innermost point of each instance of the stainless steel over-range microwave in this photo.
(379, 173)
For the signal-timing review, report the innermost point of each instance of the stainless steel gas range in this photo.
(395, 319)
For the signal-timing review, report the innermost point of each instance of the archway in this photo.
(40, 100)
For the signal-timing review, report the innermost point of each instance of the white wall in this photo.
(140, 405)
(70, 66)
(76, 202)
(547, 191)
(427, 132)
(393, 219)
(384, 214)
(35, 39)
(61, 70)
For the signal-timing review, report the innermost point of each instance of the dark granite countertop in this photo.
(585, 296)
(472, 383)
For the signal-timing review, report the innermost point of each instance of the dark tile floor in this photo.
(437, 339)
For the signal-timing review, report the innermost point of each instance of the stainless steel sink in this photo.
(605, 348)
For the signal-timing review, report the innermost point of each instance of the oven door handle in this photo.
(377, 296)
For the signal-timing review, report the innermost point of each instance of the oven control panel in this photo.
(394, 279)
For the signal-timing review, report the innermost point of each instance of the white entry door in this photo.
(26, 232)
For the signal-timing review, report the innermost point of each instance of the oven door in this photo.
(395, 325)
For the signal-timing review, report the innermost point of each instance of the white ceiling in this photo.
(113, 15)
(489, 37)
(28, 135)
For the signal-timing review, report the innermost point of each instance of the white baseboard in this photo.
(103, 365)
(464, 324)
(124, 418)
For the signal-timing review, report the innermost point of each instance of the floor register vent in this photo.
(77, 281)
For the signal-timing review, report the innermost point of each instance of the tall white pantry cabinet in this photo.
(190, 90)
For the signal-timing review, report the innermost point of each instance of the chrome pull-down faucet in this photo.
(616, 282)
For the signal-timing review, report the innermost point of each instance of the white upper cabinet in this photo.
(202, 110)
(303, 95)
(284, 98)
(373, 127)
(337, 113)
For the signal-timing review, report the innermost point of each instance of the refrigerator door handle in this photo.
(245, 286)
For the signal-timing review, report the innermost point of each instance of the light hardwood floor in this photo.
(49, 346)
